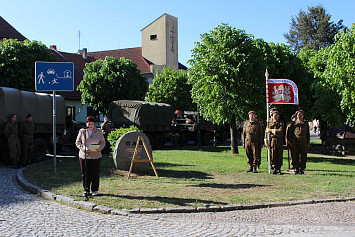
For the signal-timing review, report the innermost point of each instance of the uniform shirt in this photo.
(11, 129)
(27, 129)
(301, 130)
(276, 129)
(254, 130)
(290, 135)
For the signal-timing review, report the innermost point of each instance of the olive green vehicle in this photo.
(40, 106)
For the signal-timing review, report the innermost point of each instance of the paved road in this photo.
(23, 214)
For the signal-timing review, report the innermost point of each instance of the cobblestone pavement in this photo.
(23, 214)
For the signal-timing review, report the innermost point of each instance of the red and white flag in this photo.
(281, 91)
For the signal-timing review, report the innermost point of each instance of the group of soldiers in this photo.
(297, 141)
(20, 140)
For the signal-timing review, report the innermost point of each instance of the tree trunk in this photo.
(234, 136)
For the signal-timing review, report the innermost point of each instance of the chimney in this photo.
(85, 53)
(53, 47)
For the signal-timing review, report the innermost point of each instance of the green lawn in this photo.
(199, 177)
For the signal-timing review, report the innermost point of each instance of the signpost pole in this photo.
(267, 120)
(54, 134)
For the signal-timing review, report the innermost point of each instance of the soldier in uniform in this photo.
(106, 127)
(290, 137)
(252, 138)
(275, 129)
(262, 142)
(302, 139)
(11, 133)
(26, 136)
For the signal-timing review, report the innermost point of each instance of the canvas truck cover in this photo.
(39, 105)
(140, 113)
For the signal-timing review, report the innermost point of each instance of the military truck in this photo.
(40, 105)
(154, 119)
(186, 128)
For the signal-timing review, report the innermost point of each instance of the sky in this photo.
(117, 24)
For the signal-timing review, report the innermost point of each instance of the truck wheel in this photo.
(39, 150)
(206, 138)
(183, 139)
(158, 141)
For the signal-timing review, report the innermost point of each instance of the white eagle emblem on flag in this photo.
(281, 93)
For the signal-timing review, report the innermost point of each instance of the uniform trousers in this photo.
(92, 173)
(276, 150)
(15, 149)
(252, 151)
(300, 153)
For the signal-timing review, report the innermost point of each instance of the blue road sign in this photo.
(54, 76)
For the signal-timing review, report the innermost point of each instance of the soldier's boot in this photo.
(301, 172)
(279, 171)
(275, 171)
(250, 169)
(297, 171)
(255, 169)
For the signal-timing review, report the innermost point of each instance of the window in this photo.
(153, 37)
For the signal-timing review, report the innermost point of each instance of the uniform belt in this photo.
(251, 136)
(302, 136)
(29, 136)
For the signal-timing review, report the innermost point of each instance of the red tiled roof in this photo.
(134, 54)
(79, 65)
(9, 32)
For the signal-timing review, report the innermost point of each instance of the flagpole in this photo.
(267, 119)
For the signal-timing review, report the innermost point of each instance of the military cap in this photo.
(293, 116)
(274, 112)
(251, 112)
(28, 115)
(301, 111)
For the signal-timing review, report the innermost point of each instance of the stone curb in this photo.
(124, 212)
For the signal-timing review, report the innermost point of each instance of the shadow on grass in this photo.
(169, 200)
(232, 186)
(338, 161)
(184, 174)
(165, 164)
(332, 172)
(206, 148)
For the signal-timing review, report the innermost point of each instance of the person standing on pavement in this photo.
(26, 136)
(90, 159)
(252, 138)
(302, 140)
(275, 129)
(11, 134)
(290, 138)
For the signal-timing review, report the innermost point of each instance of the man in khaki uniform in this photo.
(290, 138)
(11, 133)
(302, 140)
(106, 127)
(275, 129)
(252, 138)
(26, 137)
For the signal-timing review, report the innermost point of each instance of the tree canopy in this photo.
(227, 76)
(111, 79)
(312, 29)
(170, 86)
(17, 62)
(339, 70)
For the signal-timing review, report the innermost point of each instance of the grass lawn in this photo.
(200, 177)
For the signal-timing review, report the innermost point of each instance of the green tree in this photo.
(281, 62)
(17, 62)
(323, 93)
(170, 86)
(227, 77)
(312, 29)
(339, 70)
(111, 79)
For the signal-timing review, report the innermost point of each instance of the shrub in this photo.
(116, 134)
